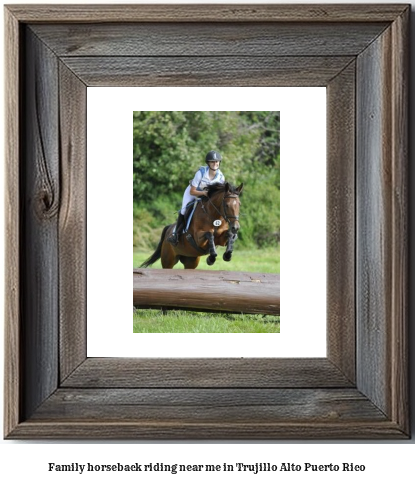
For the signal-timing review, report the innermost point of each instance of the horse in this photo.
(215, 222)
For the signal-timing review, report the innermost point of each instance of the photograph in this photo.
(67, 246)
(221, 226)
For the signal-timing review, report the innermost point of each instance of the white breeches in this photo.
(187, 198)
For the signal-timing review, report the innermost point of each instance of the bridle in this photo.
(224, 215)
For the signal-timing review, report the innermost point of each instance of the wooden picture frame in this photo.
(359, 391)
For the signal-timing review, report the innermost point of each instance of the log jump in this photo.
(205, 290)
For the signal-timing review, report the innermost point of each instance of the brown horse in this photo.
(215, 222)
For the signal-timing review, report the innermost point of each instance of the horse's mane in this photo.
(221, 187)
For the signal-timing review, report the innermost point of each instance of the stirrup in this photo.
(173, 239)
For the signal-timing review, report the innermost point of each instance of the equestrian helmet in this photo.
(213, 156)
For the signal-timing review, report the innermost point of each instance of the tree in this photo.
(169, 147)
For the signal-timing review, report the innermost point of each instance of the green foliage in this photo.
(145, 234)
(169, 147)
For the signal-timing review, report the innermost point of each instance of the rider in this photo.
(205, 176)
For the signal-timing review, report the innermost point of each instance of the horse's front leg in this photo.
(227, 256)
(212, 249)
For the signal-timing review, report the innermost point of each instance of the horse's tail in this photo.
(157, 253)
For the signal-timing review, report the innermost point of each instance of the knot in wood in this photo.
(46, 204)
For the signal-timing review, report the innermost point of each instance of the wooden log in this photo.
(201, 290)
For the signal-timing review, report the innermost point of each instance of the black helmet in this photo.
(213, 156)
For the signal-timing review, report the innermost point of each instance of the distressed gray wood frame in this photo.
(359, 391)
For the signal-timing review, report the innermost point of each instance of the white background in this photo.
(387, 464)
(303, 226)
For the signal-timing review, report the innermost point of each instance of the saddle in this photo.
(188, 215)
(190, 210)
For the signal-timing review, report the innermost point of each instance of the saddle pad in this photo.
(189, 213)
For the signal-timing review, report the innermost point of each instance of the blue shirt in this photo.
(202, 180)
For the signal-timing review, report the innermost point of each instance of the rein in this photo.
(224, 216)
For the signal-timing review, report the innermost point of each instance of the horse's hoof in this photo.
(210, 260)
(227, 256)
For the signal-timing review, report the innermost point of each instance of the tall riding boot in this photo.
(174, 238)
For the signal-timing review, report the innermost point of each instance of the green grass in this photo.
(251, 260)
(178, 321)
